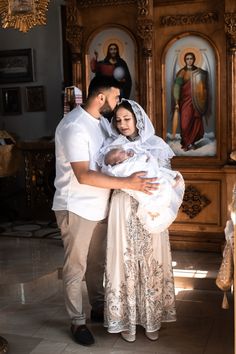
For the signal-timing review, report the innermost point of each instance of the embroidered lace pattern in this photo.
(145, 294)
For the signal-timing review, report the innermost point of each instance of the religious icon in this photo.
(191, 97)
(111, 53)
(190, 93)
(113, 65)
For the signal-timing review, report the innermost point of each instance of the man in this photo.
(81, 202)
(113, 65)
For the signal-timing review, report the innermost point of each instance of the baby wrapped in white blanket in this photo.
(157, 211)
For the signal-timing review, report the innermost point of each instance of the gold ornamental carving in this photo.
(24, 14)
(74, 36)
(73, 29)
(145, 32)
(39, 175)
(194, 202)
(90, 3)
(181, 20)
(230, 24)
(230, 28)
(143, 7)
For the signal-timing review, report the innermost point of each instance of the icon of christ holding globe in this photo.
(113, 65)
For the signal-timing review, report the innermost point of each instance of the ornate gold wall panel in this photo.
(153, 26)
(194, 202)
(230, 30)
(96, 3)
(201, 206)
(178, 20)
(202, 226)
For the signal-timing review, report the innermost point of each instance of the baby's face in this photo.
(123, 155)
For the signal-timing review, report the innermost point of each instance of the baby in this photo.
(117, 155)
(156, 211)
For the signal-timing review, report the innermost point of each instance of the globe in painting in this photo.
(119, 73)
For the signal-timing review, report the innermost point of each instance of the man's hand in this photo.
(137, 181)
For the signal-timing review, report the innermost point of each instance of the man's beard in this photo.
(106, 110)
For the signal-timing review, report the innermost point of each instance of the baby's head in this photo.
(117, 155)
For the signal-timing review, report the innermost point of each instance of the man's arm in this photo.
(136, 181)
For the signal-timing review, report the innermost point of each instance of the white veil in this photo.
(144, 125)
(146, 138)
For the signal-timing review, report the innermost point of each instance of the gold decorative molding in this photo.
(230, 29)
(193, 202)
(143, 7)
(73, 30)
(90, 3)
(145, 32)
(23, 15)
(74, 36)
(181, 20)
(230, 24)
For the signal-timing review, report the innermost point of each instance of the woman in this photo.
(139, 277)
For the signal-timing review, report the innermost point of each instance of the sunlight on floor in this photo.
(190, 273)
(178, 290)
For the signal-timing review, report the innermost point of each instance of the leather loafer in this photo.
(82, 335)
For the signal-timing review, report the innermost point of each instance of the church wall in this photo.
(205, 187)
(155, 26)
(46, 42)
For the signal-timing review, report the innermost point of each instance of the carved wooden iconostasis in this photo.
(156, 40)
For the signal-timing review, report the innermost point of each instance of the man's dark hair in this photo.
(100, 83)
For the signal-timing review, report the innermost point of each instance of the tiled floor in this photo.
(33, 318)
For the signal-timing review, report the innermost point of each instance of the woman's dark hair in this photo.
(124, 104)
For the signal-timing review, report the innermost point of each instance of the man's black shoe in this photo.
(97, 315)
(82, 335)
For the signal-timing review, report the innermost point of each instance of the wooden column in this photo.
(145, 32)
(74, 37)
(230, 28)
